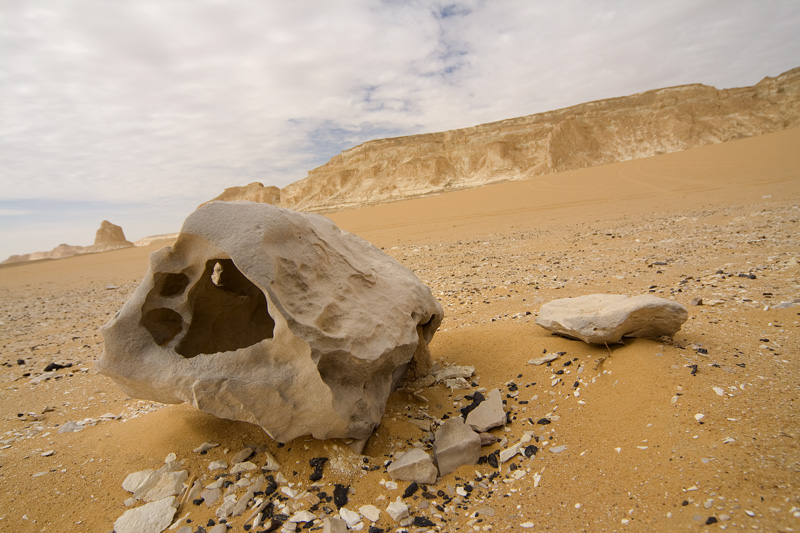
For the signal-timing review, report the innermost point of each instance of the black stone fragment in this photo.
(492, 460)
(694, 369)
(684, 503)
(210, 522)
(711, 520)
(421, 521)
(270, 488)
(530, 451)
(477, 399)
(247, 527)
(512, 386)
(373, 529)
(340, 495)
(197, 501)
(428, 495)
(20, 361)
(702, 351)
(55, 366)
(411, 489)
(317, 463)
(543, 421)
(200, 529)
(513, 467)
(576, 385)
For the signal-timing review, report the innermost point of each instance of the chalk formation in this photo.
(606, 318)
(273, 317)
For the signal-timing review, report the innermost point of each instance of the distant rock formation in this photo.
(254, 192)
(586, 135)
(108, 237)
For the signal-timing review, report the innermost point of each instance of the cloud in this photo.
(165, 103)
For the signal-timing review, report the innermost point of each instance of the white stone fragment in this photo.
(153, 517)
(488, 414)
(544, 359)
(334, 525)
(350, 518)
(246, 466)
(370, 512)
(719, 390)
(205, 447)
(413, 465)
(397, 510)
(217, 465)
(302, 516)
(135, 480)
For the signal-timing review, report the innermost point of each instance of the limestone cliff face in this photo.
(253, 192)
(108, 237)
(594, 133)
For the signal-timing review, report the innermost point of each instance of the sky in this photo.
(136, 112)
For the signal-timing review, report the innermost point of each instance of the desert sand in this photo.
(717, 223)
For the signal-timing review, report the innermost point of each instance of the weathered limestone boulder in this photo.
(606, 318)
(273, 317)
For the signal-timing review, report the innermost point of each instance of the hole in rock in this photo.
(168, 284)
(163, 324)
(228, 312)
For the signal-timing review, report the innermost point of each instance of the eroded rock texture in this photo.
(273, 317)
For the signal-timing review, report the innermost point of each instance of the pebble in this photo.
(558, 449)
(205, 447)
(217, 465)
(397, 510)
(350, 518)
(370, 512)
(303, 516)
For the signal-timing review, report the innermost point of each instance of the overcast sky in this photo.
(138, 111)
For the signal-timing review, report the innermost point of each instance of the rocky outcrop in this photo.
(108, 237)
(253, 192)
(273, 317)
(590, 134)
(606, 318)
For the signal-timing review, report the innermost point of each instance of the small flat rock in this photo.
(544, 359)
(606, 318)
(153, 517)
(413, 465)
(334, 525)
(205, 447)
(217, 465)
(558, 449)
(509, 452)
(350, 518)
(455, 444)
(168, 484)
(134, 480)
(69, 427)
(245, 466)
(370, 512)
(397, 510)
(242, 455)
(489, 413)
(302, 517)
(211, 496)
(219, 528)
(270, 464)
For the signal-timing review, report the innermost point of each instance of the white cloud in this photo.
(168, 102)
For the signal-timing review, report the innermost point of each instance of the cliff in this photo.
(585, 135)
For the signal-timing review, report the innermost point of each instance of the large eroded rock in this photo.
(606, 318)
(273, 317)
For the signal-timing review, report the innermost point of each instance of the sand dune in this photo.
(718, 223)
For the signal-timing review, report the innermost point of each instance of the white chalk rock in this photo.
(272, 317)
(606, 318)
(413, 465)
(455, 444)
(489, 413)
(151, 518)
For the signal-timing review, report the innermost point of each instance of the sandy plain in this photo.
(718, 223)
